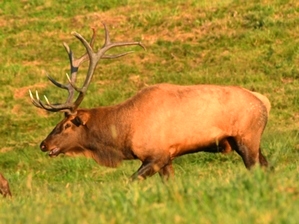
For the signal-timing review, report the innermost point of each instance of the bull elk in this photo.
(158, 124)
(4, 186)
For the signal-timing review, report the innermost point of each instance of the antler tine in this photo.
(112, 56)
(107, 35)
(60, 85)
(36, 101)
(33, 100)
(49, 107)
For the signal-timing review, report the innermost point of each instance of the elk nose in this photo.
(43, 146)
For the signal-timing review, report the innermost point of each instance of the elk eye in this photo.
(67, 126)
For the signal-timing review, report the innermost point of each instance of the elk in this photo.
(4, 186)
(158, 124)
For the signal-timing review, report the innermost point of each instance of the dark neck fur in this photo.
(108, 136)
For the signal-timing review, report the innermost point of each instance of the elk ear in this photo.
(80, 119)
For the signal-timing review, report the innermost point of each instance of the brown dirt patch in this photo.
(22, 92)
(6, 149)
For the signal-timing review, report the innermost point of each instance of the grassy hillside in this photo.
(254, 44)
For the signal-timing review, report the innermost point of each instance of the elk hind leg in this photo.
(249, 151)
(263, 161)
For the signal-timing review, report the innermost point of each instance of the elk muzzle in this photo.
(43, 146)
(53, 151)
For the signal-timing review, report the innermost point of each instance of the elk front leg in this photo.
(4, 186)
(167, 171)
(150, 167)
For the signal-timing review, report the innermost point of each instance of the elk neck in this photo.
(109, 131)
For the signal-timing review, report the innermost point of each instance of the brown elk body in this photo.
(162, 122)
(4, 186)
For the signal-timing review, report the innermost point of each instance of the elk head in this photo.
(73, 125)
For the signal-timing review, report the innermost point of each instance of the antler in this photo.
(69, 106)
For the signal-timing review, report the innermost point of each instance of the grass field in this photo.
(254, 44)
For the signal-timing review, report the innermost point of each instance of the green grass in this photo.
(253, 44)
